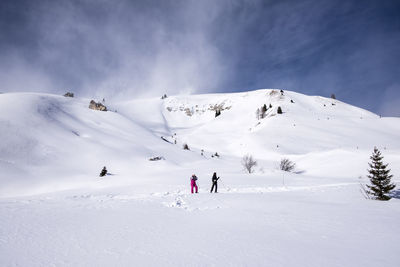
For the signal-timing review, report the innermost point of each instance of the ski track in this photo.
(180, 198)
(240, 226)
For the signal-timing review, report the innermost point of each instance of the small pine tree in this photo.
(186, 147)
(279, 111)
(333, 96)
(379, 177)
(270, 105)
(263, 111)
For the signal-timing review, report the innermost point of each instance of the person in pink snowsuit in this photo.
(193, 183)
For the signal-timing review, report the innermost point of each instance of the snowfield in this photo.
(55, 210)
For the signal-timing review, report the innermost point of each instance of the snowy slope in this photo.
(56, 211)
(53, 143)
(312, 130)
(309, 124)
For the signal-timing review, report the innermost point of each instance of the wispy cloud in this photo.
(128, 48)
(107, 47)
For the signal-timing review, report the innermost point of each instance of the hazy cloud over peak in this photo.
(129, 48)
(108, 47)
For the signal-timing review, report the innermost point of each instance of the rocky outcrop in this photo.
(156, 158)
(69, 94)
(97, 106)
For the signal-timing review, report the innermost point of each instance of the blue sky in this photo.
(120, 49)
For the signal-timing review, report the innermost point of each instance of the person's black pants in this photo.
(216, 187)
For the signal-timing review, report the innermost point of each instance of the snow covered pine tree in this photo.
(379, 177)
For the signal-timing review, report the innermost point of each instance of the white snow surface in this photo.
(55, 210)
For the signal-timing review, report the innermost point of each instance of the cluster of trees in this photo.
(261, 112)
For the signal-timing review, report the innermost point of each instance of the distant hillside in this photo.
(53, 142)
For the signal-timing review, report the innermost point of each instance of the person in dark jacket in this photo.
(214, 180)
(103, 171)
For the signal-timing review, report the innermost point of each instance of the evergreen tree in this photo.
(279, 111)
(379, 177)
(264, 108)
(263, 111)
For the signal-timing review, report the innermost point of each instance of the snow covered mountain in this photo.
(54, 143)
(55, 210)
